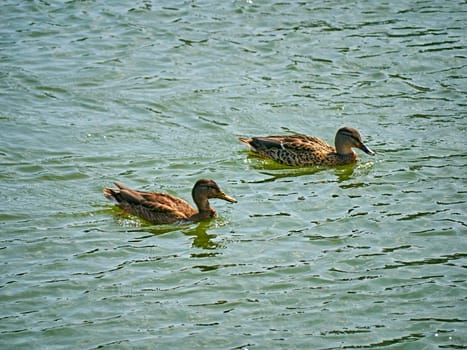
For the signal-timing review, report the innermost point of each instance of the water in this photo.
(155, 94)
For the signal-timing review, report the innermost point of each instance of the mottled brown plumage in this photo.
(161, 208)
(301, 150)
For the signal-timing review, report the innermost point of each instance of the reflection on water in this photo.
(198, 231)
(202, 239)
(276, 171)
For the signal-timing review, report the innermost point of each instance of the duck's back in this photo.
(157, 208)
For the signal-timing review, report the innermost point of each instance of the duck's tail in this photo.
(245, 140)
(113, 194)
(249, 142)
(257, 144)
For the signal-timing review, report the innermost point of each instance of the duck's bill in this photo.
(227, 198)
(366, 150)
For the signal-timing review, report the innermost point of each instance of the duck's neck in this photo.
(343, 150)
(342, 158)
(204, 209)
(202, 203)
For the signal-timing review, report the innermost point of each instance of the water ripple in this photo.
(156, 95)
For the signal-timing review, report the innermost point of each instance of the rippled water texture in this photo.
(155, 94)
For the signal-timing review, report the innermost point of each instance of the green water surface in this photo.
(154, 94)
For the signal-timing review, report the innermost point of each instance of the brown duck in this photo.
(161, 208)
(301, 150)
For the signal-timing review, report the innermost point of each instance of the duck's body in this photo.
(161, 208)
(301, 150)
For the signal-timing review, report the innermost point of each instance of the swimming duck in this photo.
(301, 150)
(161, 208)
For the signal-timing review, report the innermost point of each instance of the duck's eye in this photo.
(353, 137)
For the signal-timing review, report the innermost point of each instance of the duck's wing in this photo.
(292, 143)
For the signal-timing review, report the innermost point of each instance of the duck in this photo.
(302, 150)
(161, 208)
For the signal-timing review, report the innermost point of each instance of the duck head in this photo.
(206, 189)
(346, 138)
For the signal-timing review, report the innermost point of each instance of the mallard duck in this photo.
(301, 150)
(161, 208)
